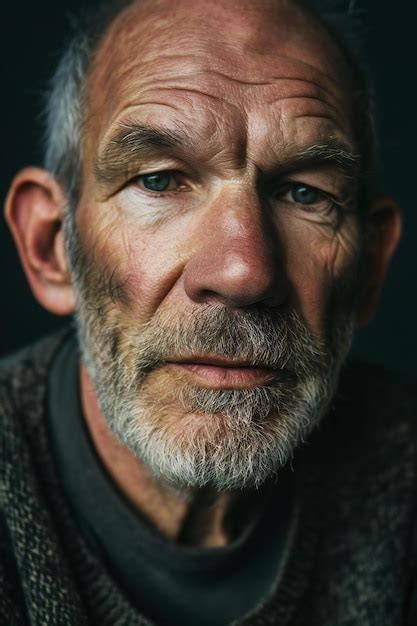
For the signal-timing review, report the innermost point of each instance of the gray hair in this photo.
(65, 102)
(64, 117)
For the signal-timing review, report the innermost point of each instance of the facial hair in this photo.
(194, 436)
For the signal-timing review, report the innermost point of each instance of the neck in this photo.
(198, 517)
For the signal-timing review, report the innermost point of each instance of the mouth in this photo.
(221, 373)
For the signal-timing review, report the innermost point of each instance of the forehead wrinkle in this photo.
(206, 121)
(328, 112)
(177, 126)
(228, 66)
(159, 44)
(173, 76)
(139, 81)
(234, 96)
(251, 81)
(310, 105)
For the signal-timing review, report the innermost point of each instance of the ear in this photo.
(384, 231)
(34, 211)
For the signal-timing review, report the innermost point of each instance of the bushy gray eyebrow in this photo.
(332, 152)
(132, 144)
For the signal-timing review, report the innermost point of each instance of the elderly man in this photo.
(208, 213)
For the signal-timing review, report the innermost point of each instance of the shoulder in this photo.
(376, 381)
(369, 436)
(23, 376)
(375, 395)
(371, 428)
(34, 356)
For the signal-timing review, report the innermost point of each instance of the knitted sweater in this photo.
(350, 558)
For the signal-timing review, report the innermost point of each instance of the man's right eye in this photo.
(158, 182)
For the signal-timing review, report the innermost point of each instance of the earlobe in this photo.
(34, 211)
(384, 232)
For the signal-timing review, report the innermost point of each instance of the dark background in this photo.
(32, 35)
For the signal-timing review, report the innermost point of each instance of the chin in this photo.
(239, 447)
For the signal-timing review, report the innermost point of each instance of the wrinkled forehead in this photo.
(221, 47)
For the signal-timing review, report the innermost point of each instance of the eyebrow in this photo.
(130, 145)
(134, 144)
(332, 152)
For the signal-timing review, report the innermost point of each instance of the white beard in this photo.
(192, 436)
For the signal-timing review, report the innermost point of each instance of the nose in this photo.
(237, 258)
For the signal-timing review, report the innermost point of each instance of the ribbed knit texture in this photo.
(349, 559)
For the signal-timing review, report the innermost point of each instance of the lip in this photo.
(219, 361)
(222, 373)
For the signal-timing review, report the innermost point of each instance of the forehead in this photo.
(198, 65)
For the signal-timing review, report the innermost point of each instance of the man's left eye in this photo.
(158, 181)
(304, 194)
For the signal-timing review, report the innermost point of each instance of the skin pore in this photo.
(243, 112)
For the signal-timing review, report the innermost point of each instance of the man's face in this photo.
(216, 236)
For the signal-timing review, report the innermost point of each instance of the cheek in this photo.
(318, 258)
(138, 266)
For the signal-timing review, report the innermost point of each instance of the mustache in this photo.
(272, 340)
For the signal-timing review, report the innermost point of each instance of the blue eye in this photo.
(158, 181)
(303, 194)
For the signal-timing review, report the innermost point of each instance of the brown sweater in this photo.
(351, 555)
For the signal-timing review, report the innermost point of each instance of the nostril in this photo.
(209, 296)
